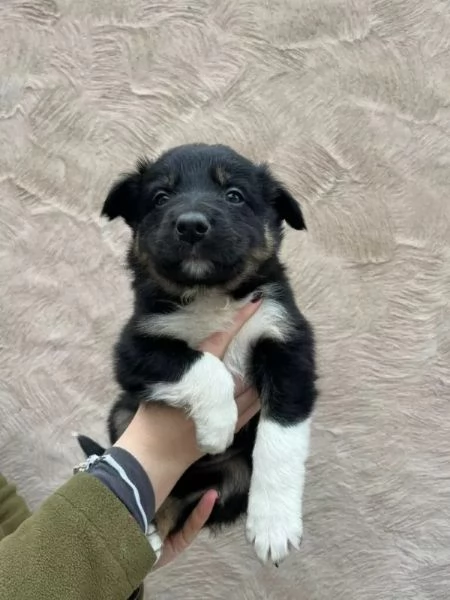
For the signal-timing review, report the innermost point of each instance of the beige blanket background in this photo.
(350, 102)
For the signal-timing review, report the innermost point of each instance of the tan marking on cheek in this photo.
(262, 253)
(254, 260)
(249, 269)
(166, 284)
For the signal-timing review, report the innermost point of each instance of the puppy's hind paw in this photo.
(273, 535)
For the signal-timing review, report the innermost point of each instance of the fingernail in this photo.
(257, 296)
(217, 493)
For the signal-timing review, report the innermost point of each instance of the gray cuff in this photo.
(125, 477)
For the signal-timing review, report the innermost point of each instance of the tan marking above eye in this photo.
(169, 180)
(221, 175)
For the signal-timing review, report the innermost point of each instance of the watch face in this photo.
(81, 468)
(86, 465)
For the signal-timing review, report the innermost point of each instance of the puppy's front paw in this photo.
(215, 428)
(271, 530)
(216, 433)
(206, 391)
(215, 414)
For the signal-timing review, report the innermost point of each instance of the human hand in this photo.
(248, 405)
(217, 344)
(162, 438)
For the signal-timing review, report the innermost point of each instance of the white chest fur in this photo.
(212, 312)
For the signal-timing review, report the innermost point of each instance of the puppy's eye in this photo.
(234, 196)
(160, 198)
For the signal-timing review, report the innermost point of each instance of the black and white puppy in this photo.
(207, 226)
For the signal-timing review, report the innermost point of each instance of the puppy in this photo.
(206, 230)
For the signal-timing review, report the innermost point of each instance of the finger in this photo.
(246, 399)
(243, 315)
(240, 386)
(248, 414)
(196, 521)
(248, 405)
(217, 343)
(178, 542)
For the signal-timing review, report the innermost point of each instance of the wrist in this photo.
(163, 440)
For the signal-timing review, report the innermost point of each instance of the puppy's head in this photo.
(203, 215)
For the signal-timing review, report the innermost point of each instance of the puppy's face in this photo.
(203, 215)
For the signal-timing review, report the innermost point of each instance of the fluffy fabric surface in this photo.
(349, 100)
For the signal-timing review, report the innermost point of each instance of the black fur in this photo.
(242, 248)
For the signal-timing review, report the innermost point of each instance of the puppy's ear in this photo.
(284, 203)
(289, 209)
(123, 197)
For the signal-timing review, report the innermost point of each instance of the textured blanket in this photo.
(349, 100)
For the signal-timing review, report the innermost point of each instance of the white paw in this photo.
(206, 391)
(216, 423)
(215, 434)
(274, 521)
(214, 410)
(155, 540)
(273, 532)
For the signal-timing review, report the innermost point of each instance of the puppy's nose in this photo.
(192, 227)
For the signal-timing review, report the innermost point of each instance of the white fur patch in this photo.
(274, 520)
(270, 321)
(206, 391)
(196, 267)
(213, 311)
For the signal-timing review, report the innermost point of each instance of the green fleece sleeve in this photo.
(13, 509)
(82, 544)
